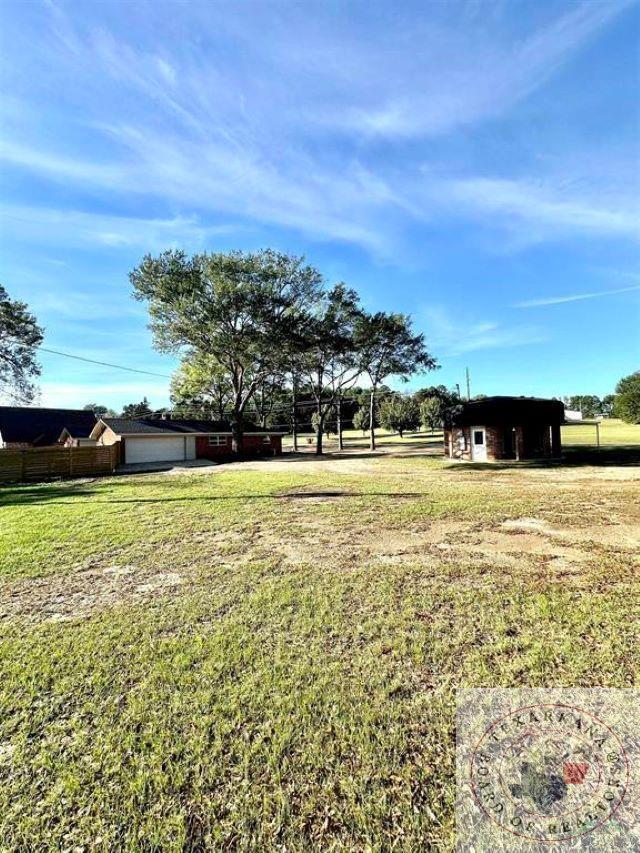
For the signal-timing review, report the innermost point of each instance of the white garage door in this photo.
(154, 449)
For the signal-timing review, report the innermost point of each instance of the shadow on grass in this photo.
(40, 497)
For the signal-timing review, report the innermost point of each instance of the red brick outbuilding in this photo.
(496, 428)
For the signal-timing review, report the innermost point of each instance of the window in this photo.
(478, 436)
(217, 440)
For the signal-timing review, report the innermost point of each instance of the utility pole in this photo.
(468, 384)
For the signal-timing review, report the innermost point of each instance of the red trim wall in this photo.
(254, 445)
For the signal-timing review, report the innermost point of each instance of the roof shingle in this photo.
(176, 426)
(39, 427)
(162, 426)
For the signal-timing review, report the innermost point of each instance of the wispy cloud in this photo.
(534, 212)
(468, 78)
(277, 129)
(451, 337)
(78, 229)
(574, 297)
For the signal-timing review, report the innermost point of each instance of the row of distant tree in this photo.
(130, 410)
(263, 337)
(624, 404)
(273, 406)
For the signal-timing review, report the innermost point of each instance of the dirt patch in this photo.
(316, 539)
(83, 592)
(618, 535)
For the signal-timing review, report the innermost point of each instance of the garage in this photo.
(157, 449)
(148, 440)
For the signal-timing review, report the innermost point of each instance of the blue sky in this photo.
(474, 164)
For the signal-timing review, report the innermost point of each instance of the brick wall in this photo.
(205, 450)
(494, 438)
(530, 442)
(254, 445)
(457, 443)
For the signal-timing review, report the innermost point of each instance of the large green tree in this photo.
(201, 386)
(268, 400)
(137, 410)
(431, 413)
(20, 336)
(434, 402)
(244, 309)
(399, 413)
(627, 401)
(387, 346)
(330, 361)
(589, 404)
(607, 405)
(99, 410)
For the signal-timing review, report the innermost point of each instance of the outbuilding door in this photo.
(155, 449)
(478, 444)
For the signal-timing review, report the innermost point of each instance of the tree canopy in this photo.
(387, 346)
(244, 309)
(99, 410)
(431, 413)
(626, 405)
(137, 410)
(201, 385)
(329, 362)
(249, 325)
(20, 336)
(399, 413)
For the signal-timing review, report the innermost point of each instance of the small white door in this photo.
(478, 444)
(190, 441)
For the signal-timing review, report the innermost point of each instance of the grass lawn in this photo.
(265, 656)
(613, 433)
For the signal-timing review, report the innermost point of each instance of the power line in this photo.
(95, 361)
(104, 363)
(279, 407)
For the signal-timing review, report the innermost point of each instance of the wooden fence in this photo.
(47, 463)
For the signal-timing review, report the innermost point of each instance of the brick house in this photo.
(179, 439)
(496, 428)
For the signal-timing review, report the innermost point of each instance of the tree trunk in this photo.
(372, 431)
(294, 418)
(237, 433)
(320, 424)
(319, 429)
(339, 421)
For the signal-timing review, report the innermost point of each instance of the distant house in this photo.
(176, 440)
(23, 426)
(69, 437)
(496, 428)
(573, 415)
